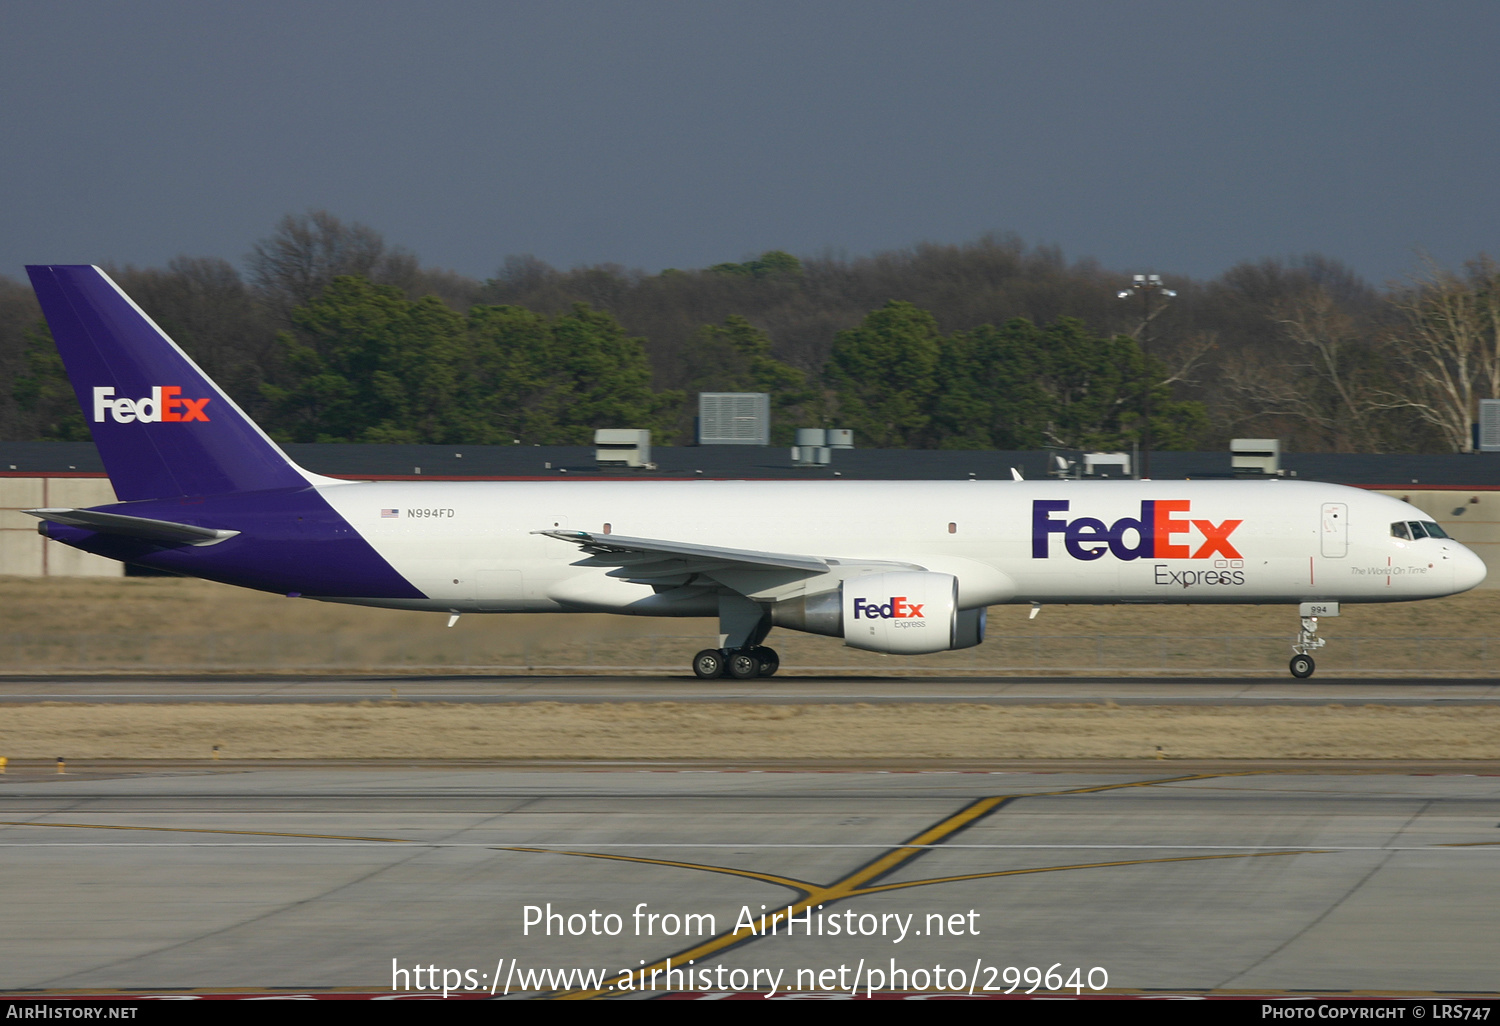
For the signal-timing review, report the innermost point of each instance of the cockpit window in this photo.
(1415, 530)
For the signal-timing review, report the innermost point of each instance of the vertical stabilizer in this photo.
(163, 428)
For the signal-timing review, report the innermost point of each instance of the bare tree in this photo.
(307, 251)
(204, 304)
(1307, 359)
(1450, 342)
(1332, 381)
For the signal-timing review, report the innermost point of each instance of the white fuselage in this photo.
(473, 546)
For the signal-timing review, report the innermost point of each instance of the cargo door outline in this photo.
(1334, 530)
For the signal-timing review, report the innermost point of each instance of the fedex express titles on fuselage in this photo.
(1026, 542)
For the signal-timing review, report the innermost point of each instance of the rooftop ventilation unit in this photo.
(812, 448)
(1106, 464)
(1251, 457)
(1489, 425)
(734, 418)
(623, 447)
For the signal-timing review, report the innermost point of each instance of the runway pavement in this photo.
(1247, 690)
(1175, 879)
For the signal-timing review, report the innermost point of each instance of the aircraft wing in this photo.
(645, 559)
(133, 527)
(655, 561)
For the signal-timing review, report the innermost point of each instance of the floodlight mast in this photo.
(1145, 286)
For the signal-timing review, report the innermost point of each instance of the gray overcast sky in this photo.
(1175, 136)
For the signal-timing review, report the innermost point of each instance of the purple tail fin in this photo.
(163, 428)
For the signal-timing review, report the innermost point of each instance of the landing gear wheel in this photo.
(709, 664)
(744, 664)
(770, 662)
(1302, 666)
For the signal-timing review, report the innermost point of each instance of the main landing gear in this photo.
(1302, 664)
(743, 625)
(739, 663)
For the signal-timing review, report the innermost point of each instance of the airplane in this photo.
(896, 567)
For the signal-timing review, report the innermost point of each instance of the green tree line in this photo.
(330, 334)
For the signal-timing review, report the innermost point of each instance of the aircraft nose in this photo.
(1468, 570)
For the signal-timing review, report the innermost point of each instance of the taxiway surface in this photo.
(1194, 880)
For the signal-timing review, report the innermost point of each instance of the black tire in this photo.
(743, 665)
(708, 664)
(770, 662)
(1302, 666)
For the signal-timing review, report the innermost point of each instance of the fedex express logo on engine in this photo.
(898, 608)
(165, 403)
(1157, 534)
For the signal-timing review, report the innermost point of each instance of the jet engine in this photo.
(903, 612)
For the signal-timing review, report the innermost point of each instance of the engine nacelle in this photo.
(907, 612)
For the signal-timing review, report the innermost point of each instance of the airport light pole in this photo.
(1146, 286)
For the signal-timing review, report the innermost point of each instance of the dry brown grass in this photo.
(186, 610)
(665, 730)
(165, 622)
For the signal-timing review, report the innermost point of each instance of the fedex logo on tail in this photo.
(1156, 534)
(165, 403)
(898, 608)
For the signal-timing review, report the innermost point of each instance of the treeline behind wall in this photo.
(331, 334)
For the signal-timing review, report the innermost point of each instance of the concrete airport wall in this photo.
(23, 552)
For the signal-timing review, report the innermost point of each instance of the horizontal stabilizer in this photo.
(134, 527)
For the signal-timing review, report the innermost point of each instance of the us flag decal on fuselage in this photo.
(390, 514)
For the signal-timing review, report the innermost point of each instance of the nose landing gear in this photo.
(1302, 664)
